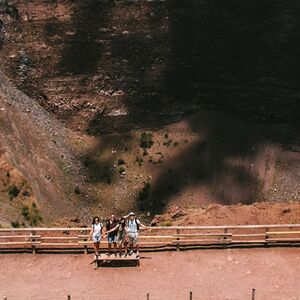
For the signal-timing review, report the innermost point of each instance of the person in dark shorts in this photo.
(121, 236)
(112, 235)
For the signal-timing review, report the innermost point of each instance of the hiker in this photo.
(133, 226)
(121, 240)
(96, 233)
(112, 235)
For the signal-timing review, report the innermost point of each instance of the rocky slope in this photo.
(35, 158)
(150, 104)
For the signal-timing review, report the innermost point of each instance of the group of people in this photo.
(120, 233)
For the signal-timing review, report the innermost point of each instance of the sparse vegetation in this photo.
(165, 223)
(13, 191)
(122, 170)
(146, 141)
(167, 143)
(25, 212)
(26, 194)
(121, 162)
(77, 190)
(139, 161)
(32, 215)
(15, 224)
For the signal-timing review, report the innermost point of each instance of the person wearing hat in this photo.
(133, 226)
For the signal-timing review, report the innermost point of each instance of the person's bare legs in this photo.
(131, 247)
(120, 249)
(96, 248)
(137, 250)
(115, 248)
(109, 248)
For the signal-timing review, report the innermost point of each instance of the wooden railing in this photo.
(178, 237)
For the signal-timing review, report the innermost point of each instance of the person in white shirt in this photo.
(133, 227)
(96, 233)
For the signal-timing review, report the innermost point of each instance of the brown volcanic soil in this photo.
(215, 214)
(110, 70)
(210, 274)
(35, 144)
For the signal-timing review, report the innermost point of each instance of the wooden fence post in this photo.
(225, 236)
(178, 238)
(33, 240)
(69, 297)
(266, 236)
(191, 295)
(5, 298)
(85, 246)
(253, 294)
(148, 296)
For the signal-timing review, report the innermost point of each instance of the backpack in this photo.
(137, 224)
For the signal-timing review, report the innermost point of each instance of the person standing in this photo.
(96, 233)
(133, 227)
(121, 235)
(112, 235)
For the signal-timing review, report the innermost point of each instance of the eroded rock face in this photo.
(35, 144)
(111, 67)
(9, 9)
(1, 34)
(157, 61)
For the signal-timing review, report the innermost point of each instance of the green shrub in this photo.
(35, 216)
(25, 212)
(77, 190)
(121, 162)
(146, 141)
(139, 161)
(122, 170)
(32, 215)
(15, 224)
(13, 191)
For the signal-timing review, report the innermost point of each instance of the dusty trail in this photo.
(210, 274)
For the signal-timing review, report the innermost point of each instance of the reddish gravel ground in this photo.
(210, 274)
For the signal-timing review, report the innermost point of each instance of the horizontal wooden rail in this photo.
(170, 237)
(155, 228)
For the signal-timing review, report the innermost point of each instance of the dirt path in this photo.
(210, 274)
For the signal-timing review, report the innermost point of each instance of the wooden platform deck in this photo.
(105, 260)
